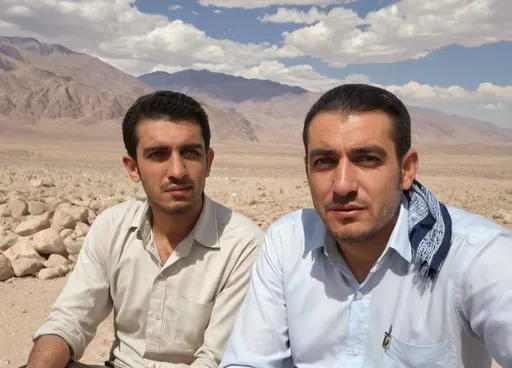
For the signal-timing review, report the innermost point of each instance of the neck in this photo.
(174, 228)
(361, 256)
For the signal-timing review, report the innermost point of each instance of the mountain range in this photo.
(41, 83)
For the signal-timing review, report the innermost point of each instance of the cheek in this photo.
(383, 192)
(152, 173)
(319, 188)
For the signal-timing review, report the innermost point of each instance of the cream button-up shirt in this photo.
(178, 314)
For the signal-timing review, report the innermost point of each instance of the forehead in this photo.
(335, 130)
(168, 133)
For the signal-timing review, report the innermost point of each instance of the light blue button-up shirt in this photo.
(304, 307)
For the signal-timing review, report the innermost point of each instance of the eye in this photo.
(156, 154)
(368, 160)
(190, 152)
(323, 161)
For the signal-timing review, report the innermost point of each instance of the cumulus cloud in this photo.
(115, 30)
(253, 4)
(175, 7)
(348, 17)
(135, 42)
(407, 29)
(492, 107)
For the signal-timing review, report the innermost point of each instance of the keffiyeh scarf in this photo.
(430, 229)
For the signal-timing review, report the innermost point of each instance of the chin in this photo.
(351, 233)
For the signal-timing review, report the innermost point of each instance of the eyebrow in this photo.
(322, 152)
(187, 146)
(363, 150)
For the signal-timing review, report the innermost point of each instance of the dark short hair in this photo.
(167, 105)
(349, 98)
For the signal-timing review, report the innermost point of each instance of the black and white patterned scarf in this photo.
(430, 229)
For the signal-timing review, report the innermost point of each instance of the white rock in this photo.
(56, 260)
(7, 239)
(81, 229)
(65, 233)
(4, 210)
(6, 270)
(48, 241)
(24, 259)
(36, 183)
(80, 214)
(62, 220)
(17, 207)
(38, 208)
(33, 225)
(74, 247)
(73, 258)
(53, 273)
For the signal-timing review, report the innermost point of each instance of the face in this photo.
(355, 178)
(172, 164)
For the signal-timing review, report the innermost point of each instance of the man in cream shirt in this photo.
(174, 267)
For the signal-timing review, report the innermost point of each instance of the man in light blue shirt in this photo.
(379, 273)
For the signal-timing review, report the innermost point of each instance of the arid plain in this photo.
(52, 187)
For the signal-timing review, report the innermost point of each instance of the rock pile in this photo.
(42, 236)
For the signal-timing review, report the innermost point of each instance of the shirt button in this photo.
(359, 295)
(157, 317)
(355, 351)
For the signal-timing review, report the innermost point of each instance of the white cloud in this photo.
(175, 7)
(117, 31)
(217, 11)
(408, 29)
(253, 4)
(347, 17)
(492, 106)
(136, 42)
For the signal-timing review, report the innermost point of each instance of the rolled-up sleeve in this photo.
(260, 335)
(485, 297)
(85, 299)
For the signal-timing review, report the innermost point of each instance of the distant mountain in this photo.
(286, 114)
(219, 85)
(42, 82)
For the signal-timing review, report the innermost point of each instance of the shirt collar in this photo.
(316, 235)
(205, 231)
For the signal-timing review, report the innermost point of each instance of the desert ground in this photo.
(78, 179)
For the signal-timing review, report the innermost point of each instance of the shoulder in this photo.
(473, 229)
(235, 228)
(296, 232)
(483, 248)
(121, 214)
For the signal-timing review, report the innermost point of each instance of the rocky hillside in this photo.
(40, 81)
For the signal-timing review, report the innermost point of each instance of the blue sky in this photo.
(444, 67)
(454, 55)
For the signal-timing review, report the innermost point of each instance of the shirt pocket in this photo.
(400, 354)
(191, 321)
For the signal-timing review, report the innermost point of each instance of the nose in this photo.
(176, 168)
(345, 179)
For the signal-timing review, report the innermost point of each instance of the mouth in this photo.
(346, 210)
(177, 190)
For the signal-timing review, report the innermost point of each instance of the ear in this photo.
(410, 164)
(209, 160)
(131, 166)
